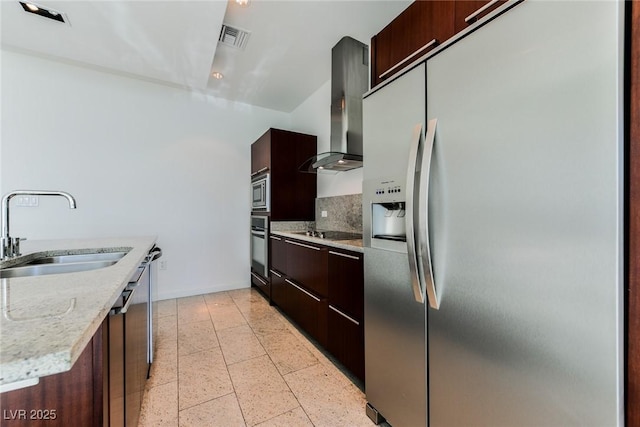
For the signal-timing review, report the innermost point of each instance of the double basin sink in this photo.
(65, 263)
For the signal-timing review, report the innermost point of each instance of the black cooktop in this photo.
(332, 235)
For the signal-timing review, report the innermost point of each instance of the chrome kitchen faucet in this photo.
(10, 246)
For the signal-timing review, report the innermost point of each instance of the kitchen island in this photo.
(48, 320)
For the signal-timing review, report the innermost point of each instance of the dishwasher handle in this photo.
(133, 282)
(128, 300)
(155, 253)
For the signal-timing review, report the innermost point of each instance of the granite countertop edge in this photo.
(349, 245)
(35, 344)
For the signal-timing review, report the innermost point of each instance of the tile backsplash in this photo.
(292, 226)
(344, 213)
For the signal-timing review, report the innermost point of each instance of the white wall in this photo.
(314, 117)
(141, 159)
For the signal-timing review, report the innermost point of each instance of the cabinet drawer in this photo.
(308, 265)
(346, 341)
(346, 282)
(278, 253)
(308, 310)
(279, 294)
(262, 284)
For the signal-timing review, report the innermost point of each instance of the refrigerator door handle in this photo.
(412, 248)
(424, 248)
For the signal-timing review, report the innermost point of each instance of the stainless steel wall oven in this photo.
(260, 245)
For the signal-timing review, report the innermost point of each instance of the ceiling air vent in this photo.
(234, 37)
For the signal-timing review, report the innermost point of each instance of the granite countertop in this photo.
(350, 245)
(38, 336)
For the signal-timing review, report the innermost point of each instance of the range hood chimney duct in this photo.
(349, 82)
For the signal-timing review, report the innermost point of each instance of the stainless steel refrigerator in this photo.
(493, 225)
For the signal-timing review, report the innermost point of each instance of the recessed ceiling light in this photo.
(44, 12)
(243, 3)
(217, 75)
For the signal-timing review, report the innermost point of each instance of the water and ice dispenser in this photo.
(388, 221)
(385, 203)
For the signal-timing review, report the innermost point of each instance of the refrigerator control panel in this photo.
(387, 190)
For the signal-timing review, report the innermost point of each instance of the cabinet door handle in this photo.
(275, 237)
(344, 315)
(259, 278)
(302, 290)
(303, 245)
(399, 64)
(276, 273)
(260, 171)
(343, 255)
(474, 15)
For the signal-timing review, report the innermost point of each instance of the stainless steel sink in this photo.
(75, 258)
(63, 263)
(54, 268)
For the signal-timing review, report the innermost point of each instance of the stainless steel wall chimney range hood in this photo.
(349, 81)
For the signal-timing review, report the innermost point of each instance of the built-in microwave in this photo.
(260, 193)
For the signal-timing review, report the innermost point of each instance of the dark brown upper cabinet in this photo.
(421, 27)
(280, 153)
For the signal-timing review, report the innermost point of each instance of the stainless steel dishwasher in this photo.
(154, 254)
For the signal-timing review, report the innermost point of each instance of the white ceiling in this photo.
(287, 57)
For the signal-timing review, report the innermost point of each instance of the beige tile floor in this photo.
(229, 359)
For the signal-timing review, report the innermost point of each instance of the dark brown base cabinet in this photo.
(346, 309)
(135, 358)
(93, 392)
(72, 398)
(304, 277)
(299, 283)
(115, 399)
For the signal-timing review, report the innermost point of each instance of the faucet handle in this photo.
(15, 250)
